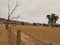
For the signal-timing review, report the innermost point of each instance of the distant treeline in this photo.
(4, 21)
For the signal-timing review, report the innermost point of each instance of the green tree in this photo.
(52, 19)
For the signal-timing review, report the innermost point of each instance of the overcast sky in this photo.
(34, 10)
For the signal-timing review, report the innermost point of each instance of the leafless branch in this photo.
(13, 10)
(8, 10)
(10, 13)
(15, 17)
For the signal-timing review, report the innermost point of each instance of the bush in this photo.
(34, 24)
(22, 23)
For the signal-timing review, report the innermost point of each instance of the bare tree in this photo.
(10, 13)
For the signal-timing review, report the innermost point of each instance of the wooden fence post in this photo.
(18, 37)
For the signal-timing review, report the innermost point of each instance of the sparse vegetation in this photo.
(22, 23)
(34, 24)
(39, 32)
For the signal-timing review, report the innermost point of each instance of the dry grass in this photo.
(45, 34)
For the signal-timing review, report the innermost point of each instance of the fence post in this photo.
(9, 35)
(18, 37)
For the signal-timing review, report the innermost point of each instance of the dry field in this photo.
(32, 35)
